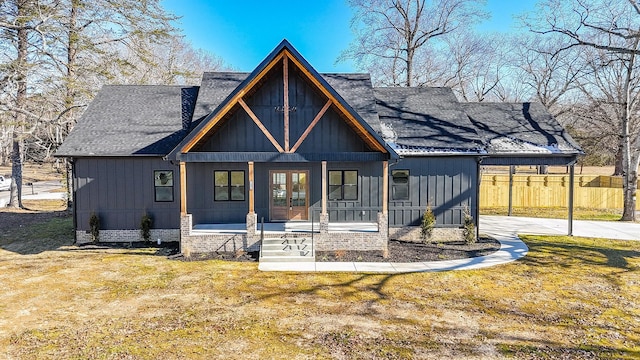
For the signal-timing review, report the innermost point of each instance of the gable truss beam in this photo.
(311, 126)
(260, 125)
(285, 80)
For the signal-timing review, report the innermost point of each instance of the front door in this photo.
(289, 195)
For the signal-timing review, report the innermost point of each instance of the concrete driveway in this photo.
(39, 190)
(540, 226)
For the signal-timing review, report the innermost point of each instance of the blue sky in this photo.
(243, 32)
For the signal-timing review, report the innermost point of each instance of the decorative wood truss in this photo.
(284, 58)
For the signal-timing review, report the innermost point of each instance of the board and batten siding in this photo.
(121, 190)
(200, 195)
(369, 202)
(447, 184)
(240, 133)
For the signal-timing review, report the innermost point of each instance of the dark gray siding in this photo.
(120, 190)
(369, 201)
(200, 200)
(240, 133)
(448, 184)
(204, 209)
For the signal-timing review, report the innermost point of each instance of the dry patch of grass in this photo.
(33, 172)
(569, 298)
(557, 213)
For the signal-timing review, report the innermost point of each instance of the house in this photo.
(285, 144)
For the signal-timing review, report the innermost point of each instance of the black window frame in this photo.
(229, 185)
(395, 185)
(342, 185)
(158, 184)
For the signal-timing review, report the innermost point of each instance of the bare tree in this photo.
(475, 65)
(613, 28)
(22, 24)
(391, 34)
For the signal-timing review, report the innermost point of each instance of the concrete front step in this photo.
(286, 250)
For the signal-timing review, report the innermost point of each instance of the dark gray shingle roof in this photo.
(421, 121)
(125, 120)
(520, 128)
(357, 91)
(214, 89)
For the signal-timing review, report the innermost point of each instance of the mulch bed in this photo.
(405, 251)
(399, 251)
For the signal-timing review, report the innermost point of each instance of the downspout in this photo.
(571, 189)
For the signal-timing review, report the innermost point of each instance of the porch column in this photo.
(385, 187)
(183, 188)
(383, 221)
(324, 217)
(324, 188)
(251, 191)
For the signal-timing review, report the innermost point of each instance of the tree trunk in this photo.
(629, 153)
(20, 119)
(618, 162)
(631, 186)
(72, 50)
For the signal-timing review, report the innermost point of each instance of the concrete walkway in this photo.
(511, 249)
(502, 228)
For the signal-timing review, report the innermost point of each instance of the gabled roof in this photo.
(284, 49)
(520, 128)
(214, 89)
(131, 120)
(425, 121)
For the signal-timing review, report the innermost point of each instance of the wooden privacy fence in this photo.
(590, 191)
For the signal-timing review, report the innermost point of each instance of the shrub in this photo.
(145, 227)
(428, 223)
(469, 227)
(94, 226)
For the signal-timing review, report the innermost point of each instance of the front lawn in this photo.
(568, 298)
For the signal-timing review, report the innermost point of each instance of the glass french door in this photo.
(289, 195)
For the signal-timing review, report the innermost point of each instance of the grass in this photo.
(568, 298)
(557, 213)
(33, 172)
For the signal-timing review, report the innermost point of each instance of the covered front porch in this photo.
(270, 228)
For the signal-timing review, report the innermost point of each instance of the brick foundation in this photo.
(116, 236)
(412, 233)
(192, 243)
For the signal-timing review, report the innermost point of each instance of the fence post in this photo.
(512, 170)
(571, 183)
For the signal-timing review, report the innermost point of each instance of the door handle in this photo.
(290, 203)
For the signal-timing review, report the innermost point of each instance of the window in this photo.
(400, 185)
(163, 185)
(228, 186)
(343, 185)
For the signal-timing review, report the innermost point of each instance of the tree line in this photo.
(56, 54)
(577, 57)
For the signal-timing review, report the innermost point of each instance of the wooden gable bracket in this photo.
(311, 126)
(260, 125)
